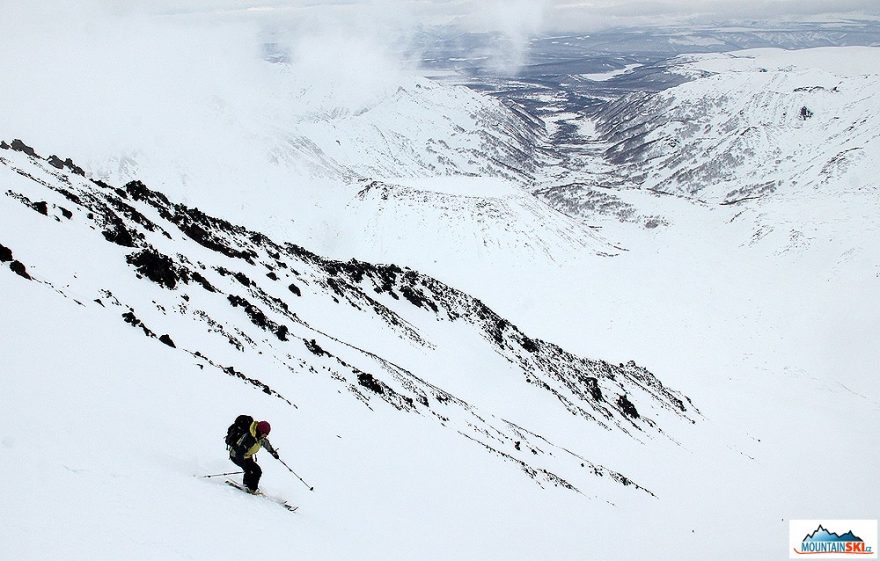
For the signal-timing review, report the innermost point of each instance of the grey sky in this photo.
(135, 29)
(476, 15)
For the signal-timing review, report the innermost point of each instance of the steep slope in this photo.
(104, 430)
(485, 224)
(424, 128)
(272, 314)
(424, 419)
(807, 117)
(776, 137)
(296, 134)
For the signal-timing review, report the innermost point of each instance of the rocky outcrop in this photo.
(238, 291)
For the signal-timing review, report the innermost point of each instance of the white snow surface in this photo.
(605, 76)
(763, 312)
(451, 394)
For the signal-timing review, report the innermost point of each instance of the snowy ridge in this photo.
(703, 138)
(270, 314)
(477, 227)
(776, 136)
(425, 129)
(421, 129)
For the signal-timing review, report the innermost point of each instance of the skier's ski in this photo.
(276, 500)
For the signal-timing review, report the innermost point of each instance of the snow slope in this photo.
(750, 111)
(385, 349)
(780, 137)
(195, 106)
(483, 228)
(771, 339)
(294, 127)
(762, 304)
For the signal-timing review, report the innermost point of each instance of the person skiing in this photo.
(244, 446)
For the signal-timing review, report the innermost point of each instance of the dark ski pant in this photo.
(252, 471)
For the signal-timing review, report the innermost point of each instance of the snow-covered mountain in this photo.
(497, 222)
(271, 314)
(807, 124)
(300, 133)
(441, 403)
(778, 137)
(423, 129)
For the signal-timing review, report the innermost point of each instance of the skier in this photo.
(244, 439)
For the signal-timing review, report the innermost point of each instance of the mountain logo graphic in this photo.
(822, 541)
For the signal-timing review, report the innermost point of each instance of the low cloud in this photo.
(149, 69)
(111, 78)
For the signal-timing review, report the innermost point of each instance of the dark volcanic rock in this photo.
(529, 344)
(73, 167)
(203, 281)
(19, 269)
(257, 316)
(116, 232)
(367, 381)
(208, 231)
(20, 146)
(592, 385)
(243, 279)
(132, 320)
(155, 266)
(627, 407)
(316, 349)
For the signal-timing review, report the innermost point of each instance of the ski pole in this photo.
(222, 474)
(294, 473)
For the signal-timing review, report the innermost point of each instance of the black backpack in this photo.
(237, 429)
